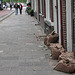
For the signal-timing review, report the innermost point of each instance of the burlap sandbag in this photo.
(51, 38)
(46, 42)
(66, 55)
(65, 66)
(55, 52)
(55, 45)
(47, 37)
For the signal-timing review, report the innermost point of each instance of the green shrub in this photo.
(28, 9)
(31, 12)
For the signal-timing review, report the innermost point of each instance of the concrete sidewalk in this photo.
(21, 51)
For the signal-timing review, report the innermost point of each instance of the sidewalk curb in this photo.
(6, 16)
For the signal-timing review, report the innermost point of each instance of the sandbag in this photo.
(55, 52)
(56, 45)
(65, 66)
(46, 41)
(66, 55)
(51, 38)
(52, 33)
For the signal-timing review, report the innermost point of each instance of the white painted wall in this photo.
(69, 25)
(41, 6)
(47, 9)
(59, 22)
(55, 15)
(32, 4)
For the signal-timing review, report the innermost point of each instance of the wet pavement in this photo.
(21, 51)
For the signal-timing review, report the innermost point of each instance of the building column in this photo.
(32, 4)
(55, 15)
(40, 6)
(69, 25)
(47, 9)
(59, 22)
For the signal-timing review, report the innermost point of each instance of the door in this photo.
(73, 24)
(57, 15)
(51, 10)
(44, 9)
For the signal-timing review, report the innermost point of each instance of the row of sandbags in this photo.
(66, 60)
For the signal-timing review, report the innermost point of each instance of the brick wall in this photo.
(44, 9)
(51, 10)
(64, 28)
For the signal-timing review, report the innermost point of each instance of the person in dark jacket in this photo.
(10, 6)
(20, 8)
(16, 8)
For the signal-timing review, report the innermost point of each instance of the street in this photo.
(21, 53)
(5, 12)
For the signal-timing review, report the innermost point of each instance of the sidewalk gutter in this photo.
(9, 14)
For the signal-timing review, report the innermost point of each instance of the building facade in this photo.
(57, 15)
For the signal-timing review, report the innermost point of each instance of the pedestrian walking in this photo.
(10, 6)
(20, 8)
(16, 8)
